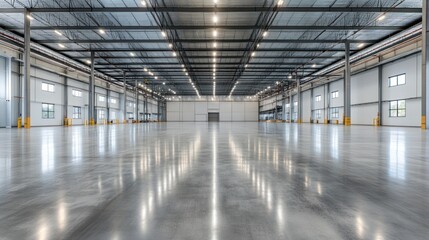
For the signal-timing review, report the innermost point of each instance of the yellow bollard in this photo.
(27, 122)
(91, 122)
(19, 122)
(424, 122)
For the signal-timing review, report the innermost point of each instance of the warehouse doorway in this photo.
(213, 117)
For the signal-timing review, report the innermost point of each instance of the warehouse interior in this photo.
(214, 119)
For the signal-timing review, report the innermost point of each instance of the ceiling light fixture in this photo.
(144, 3)
(280, 3)
(145, 69)
(361, 45)
(382, 17)
(132, 54)
(174, 54)
(61, 45)
(58, 32)
(215, 44)
(170, 45)
(215, 19)
(265, 34)
(101, 31)
(163, 34)
(215, 33)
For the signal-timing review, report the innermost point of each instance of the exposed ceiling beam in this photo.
(210, 57)
(142, 41)
(204, 50)
(224, 9)
(205, 27)
(218, 65)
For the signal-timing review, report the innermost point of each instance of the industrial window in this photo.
(48, 111)
(113, 115)
(318, 114)
(101, 114)
(397, 80)
(335, 113)
(113, 100)
(76, 93)
(288, 105)
(318, 98)
(397, 108)
(101, 98)
(48, 87)
(130, 104)
(295, 104)
(77, 112)
(335, 94)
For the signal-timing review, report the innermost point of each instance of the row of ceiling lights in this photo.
(215, 34)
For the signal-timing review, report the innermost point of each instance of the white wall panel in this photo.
(225, 111)
(201, 108)
(238, 112)
(306, 106)
(364, 114)
(188, 111)
(364, 87)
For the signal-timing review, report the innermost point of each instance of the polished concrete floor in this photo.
(214, 181)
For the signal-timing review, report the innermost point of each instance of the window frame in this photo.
(397, 110)
(77, 114)
(335, 113)
(49, 110)
(113, 100)
(49, 87)
(389, 81)
(318, 98)
(101, 114)
(335, 94)
(76, 93)
(101, 98)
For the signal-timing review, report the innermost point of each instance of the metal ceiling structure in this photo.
(187, 45)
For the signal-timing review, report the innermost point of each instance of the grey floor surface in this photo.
(214, 181)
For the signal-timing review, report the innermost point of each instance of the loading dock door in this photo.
(213, 117)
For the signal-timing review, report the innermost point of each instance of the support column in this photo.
(425, 67)
(108, 103)
(137, 102)
(91, 104)
(347, 88)
(328, 105)
(380, 96)
(27, 65)
(312, 113)
(66, 103)
(124, 103)
(299, 110)
(290, 107)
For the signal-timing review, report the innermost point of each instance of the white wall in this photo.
(364, 95)
(410, 92)
(197, 111)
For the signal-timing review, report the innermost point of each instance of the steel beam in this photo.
(143, 41)
(91, 110)
(27, 72)
(347, 87)
(205, 27)
(223, 9)
(146, 50)
(218, 65)
(425, 67)
(124, 102)
(210, 57)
